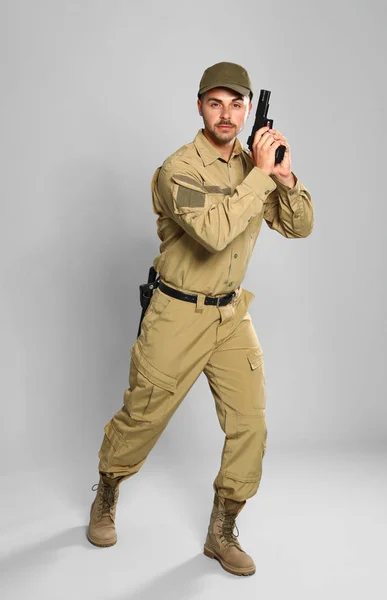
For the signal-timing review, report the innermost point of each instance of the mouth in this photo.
(225, 126)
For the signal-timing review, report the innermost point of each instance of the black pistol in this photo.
(261, 120)
(146, 292)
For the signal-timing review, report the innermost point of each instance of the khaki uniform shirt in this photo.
(210, 213)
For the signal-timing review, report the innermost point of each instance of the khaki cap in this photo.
(228, 75)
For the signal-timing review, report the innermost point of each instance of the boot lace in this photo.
(107, 498)
(227, 528)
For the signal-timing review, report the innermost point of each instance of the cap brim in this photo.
(236, 88)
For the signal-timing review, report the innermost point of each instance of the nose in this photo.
(225, 113)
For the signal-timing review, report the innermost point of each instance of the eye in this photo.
(214, 104)
(237, 106)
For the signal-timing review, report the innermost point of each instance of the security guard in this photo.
(211, 197)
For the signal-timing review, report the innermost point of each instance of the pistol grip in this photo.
(279, 154)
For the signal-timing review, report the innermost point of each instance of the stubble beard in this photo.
(223, 137)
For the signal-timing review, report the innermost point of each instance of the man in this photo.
(210, 197)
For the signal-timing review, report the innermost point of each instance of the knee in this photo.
(248, 432)
(256, 428)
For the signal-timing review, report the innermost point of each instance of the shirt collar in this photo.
(207, 152)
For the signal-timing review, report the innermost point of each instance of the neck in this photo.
(225, 150)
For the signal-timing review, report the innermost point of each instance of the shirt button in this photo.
(249, 220)
(291, 193)
(230, 284)
(267, 192)
(236, 256)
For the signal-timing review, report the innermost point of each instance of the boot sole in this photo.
(106, 544)
(227, 567)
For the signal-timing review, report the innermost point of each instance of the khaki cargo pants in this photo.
(179, 340)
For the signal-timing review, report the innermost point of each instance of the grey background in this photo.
(95, 95)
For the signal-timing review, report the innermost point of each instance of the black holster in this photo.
(146, 292)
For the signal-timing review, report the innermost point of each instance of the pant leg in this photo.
(175, 343)
(235, 373)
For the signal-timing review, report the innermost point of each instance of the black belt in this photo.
(222, 301)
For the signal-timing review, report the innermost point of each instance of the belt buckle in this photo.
(218, 301)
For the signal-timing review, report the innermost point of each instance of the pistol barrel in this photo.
(263, 102)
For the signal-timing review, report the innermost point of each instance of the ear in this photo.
(250, 107)
(199, 103)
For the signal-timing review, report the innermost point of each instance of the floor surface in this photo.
(317, 529)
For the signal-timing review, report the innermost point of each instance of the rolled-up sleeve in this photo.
(213, 219)
(290, 210)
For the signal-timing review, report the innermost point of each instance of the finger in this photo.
(264, 128)
(259, 133)
(277, 133)
(266, 142)
(273, 147)
(283, 143)
(279, 136)
(266, 136)
(258, 137)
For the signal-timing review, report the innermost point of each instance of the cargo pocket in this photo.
(255, 358)
(258, 387)
(151, 390)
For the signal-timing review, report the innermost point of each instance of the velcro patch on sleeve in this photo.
(189, 193)
(188, 198)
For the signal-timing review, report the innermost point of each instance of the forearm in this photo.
(289, 209)
(197, 209)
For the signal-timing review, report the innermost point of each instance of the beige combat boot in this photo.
(102, 531)
(221, 543)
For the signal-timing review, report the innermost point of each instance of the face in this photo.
(224, 113)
